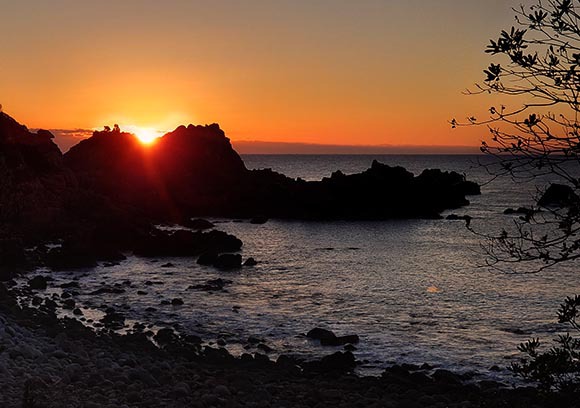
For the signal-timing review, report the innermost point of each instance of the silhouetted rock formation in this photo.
(381, 192)
(34, 184)
(104, 194)
(187, 171)
(559, 195)
(195, 171)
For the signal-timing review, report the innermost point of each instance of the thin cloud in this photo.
(67, 138)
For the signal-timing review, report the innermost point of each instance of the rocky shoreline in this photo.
(49, 362)
(103, 198)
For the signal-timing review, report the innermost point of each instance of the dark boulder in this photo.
(113, 319)
(38, 283)
(328, 338)
(228, 261)
(320, 334)
(69, 304)
(559, 195)
(165, 336)
(339, 361)
(250, 262)
(207, 259)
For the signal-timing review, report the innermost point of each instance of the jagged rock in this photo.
(559, 195)
(228, 261)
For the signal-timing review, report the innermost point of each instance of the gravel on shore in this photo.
(46, 362)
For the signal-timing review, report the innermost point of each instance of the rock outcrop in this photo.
(559, 195)
(188, 171)
(34, 184)
(194, 171)
(111, 185)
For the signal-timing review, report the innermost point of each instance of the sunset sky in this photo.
(333, 72)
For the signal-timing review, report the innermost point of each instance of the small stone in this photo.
(250, 262)
(68, 304)
(37, 283)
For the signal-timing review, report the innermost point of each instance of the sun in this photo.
(145, 135)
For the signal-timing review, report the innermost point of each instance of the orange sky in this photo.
(330, 72)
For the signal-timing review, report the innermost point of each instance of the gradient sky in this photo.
(333, 71)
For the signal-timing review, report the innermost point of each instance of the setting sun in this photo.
(144, 134)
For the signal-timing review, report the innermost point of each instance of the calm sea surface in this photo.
(412, 290)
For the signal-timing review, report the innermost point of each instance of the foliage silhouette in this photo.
(541, 67)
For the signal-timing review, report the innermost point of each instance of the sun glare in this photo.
(144, 134)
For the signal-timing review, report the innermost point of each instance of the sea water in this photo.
(413, 290)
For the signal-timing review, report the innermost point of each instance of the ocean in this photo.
(413, 290)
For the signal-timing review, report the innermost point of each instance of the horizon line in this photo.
(66, 138)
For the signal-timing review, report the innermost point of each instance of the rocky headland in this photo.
(105, 194)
